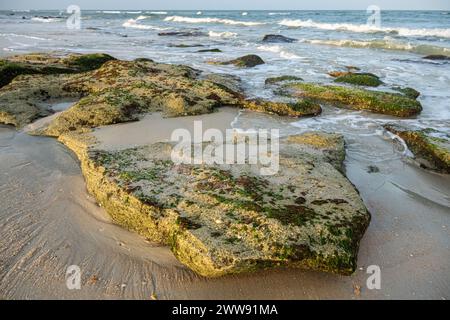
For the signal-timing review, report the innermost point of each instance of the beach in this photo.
(53, 180)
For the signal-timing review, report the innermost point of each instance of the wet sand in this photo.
(48, 222)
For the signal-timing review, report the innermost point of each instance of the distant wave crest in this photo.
(386, 44)
(212, 20)
(364, 28)
(134, 23)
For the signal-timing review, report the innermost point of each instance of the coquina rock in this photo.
(248, 61)
(121, 91)
(430, 147)
(41, 63)
(355, 98)
(226, 219)
(278, 38)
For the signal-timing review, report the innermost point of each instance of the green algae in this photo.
(359, 99)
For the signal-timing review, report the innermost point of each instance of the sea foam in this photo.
(281, 52)
(212, 20)
(365, 28)
(387, 44)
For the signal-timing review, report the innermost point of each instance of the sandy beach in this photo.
(51, 222)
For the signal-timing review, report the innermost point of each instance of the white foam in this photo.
(212, 20)
(158, 12)
(386, 43)
(245, 13)
(21, 36)
(281, 52)
(46, 20)
(133, 23)
(199, 13)
(225, 34)
(279, 13)
(365, 28)
(111, 12)
(134, 12)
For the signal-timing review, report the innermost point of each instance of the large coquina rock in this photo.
(226, 219)
(430, 147)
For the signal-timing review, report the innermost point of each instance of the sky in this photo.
(228, 4)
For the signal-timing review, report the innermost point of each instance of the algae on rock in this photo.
(355, 98)
(221, 219)
(430, 147)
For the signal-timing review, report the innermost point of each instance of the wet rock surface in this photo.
(430, 147)
(355, 98)
(222, 219)
(278, 38)
(248, 61)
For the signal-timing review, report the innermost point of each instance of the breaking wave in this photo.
(386, 44)
(134, 23)
(225, 34)
(364, 28)
(212, 20)
(45, 19)
(281, 52)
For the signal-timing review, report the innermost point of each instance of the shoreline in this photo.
(155, 265)
(120, 137)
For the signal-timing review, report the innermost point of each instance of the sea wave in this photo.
(133, 23)
(21, 36)
(45, 19)
(111, 12)
(365, 28)
(386, 44)
(134, 12)
(225, 34)
(212, 20)
(281, 52)
(158, 12)
(279, 13)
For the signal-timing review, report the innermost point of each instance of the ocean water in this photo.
(327, 41)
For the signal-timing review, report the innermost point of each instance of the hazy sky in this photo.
(228, 4)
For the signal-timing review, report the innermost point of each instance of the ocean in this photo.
(326, 41)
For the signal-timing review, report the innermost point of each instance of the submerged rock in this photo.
(360, 79)
(220, 219)
(274, 80)
(437, 57)
(210, 50)
(430, 147)
(182, 34)
(278, 38)
(355, 98)
(247, 61)
(301, 108)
